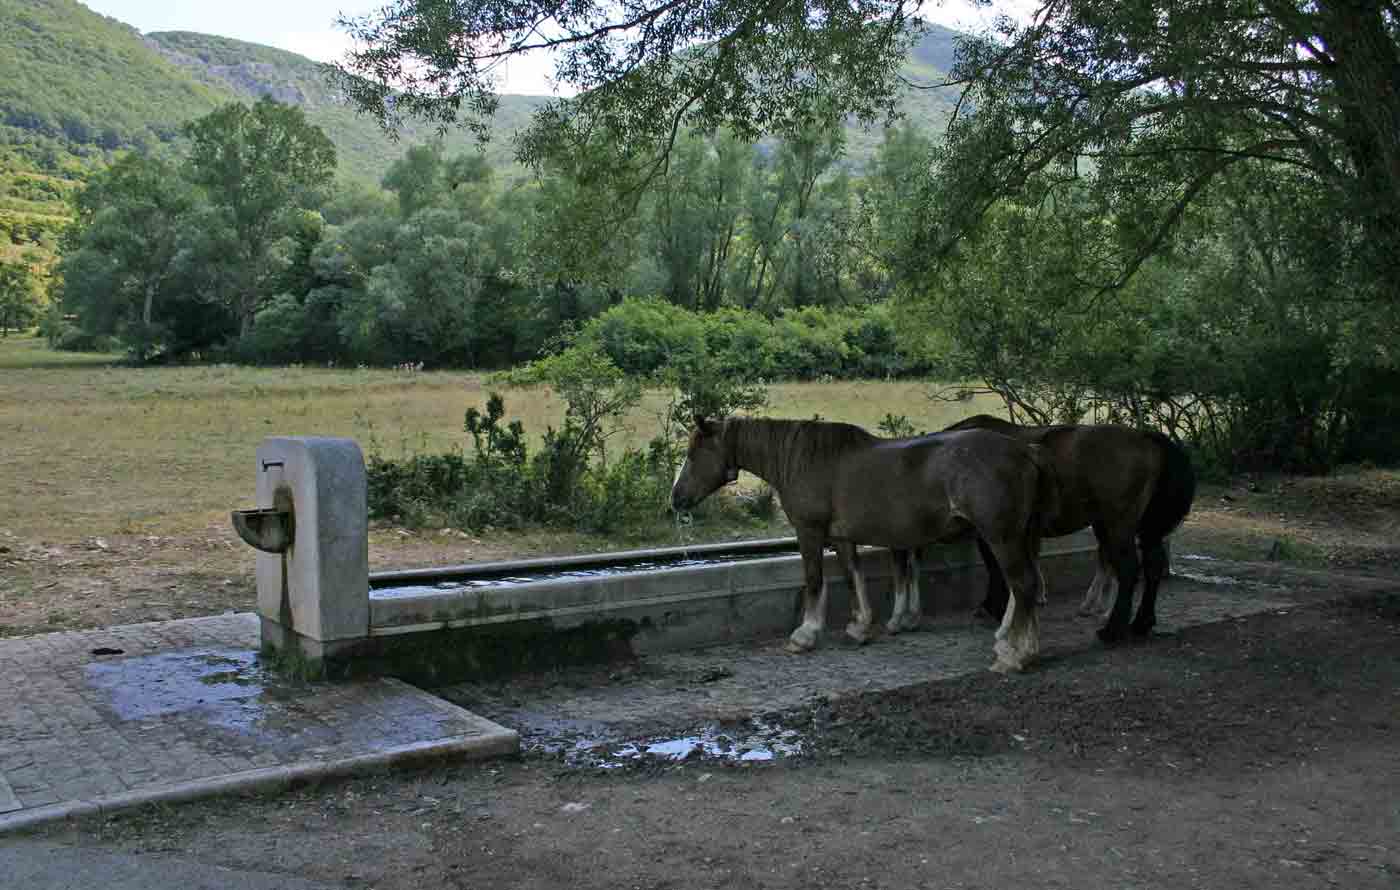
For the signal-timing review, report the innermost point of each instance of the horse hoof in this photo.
(1005, 667)
(904, 623)
(802, 640)
(1112, 633)
(795, 648)
(858, 632)
(1143, 629)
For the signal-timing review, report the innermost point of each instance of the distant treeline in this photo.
(450, 266)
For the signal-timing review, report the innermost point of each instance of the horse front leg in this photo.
(859, 628)
(811, 544)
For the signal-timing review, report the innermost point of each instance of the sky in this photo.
(308, 26)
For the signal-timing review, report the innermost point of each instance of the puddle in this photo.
(223, 687)
(1208, 579)
(591, 744)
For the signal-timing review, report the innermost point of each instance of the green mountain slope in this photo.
(76, 86)
(249, 71)
(68, 73)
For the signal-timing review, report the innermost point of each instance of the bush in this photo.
(502, 485)
(70, 338)
(640, 335)
(740, 341)
(278, 334)
(809, 343)
(644, 336)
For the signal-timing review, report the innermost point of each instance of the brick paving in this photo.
(115, 714)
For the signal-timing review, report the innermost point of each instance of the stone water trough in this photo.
(319, 604)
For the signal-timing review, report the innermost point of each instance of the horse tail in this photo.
(1173, 493)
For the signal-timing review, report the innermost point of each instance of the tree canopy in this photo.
(258, 165)
(1151, 102)
(644, 68)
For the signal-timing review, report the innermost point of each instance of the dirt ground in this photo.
(1258, 752)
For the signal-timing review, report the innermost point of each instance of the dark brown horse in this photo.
(1133, 486)
(840, 485)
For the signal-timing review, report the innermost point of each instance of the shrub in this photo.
(641, 334)
(810, 342)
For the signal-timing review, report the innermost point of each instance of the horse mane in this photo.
(791, 447)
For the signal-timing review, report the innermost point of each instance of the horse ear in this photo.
(704, 424)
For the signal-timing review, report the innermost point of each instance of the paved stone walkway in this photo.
(94, 720)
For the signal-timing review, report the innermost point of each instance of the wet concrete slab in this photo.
(98, 720)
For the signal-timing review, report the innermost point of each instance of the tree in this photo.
(134, 257)
(1152, 102)
(19, 297)
(645, 69)
(889, 201)
(258, 166)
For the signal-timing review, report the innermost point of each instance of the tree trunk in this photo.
(1367, 74)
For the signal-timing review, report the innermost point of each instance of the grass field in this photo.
(116, 482)
(94, 448)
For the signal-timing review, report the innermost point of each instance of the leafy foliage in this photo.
(644, 70)
(566, 483)
(1150, 103)
(257, 167)
(19, 297)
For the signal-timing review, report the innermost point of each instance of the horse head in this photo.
(708, 465)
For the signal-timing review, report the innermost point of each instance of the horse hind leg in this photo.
(914, 614)
(863, 617)
(1101, 588)
(900, 603)
(1154, 569)
(1125, 565)
(1100, 592)
(1018, 637)
(907, 608)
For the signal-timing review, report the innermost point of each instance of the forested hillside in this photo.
(77, 88)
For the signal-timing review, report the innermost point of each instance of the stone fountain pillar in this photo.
(312, 531)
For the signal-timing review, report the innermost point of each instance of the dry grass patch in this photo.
(148, 462)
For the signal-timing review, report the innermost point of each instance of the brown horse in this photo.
(1133, 486)
(841, 485)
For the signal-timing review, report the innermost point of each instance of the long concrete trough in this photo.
(317, 600)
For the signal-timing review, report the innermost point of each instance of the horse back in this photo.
(1106, 472)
